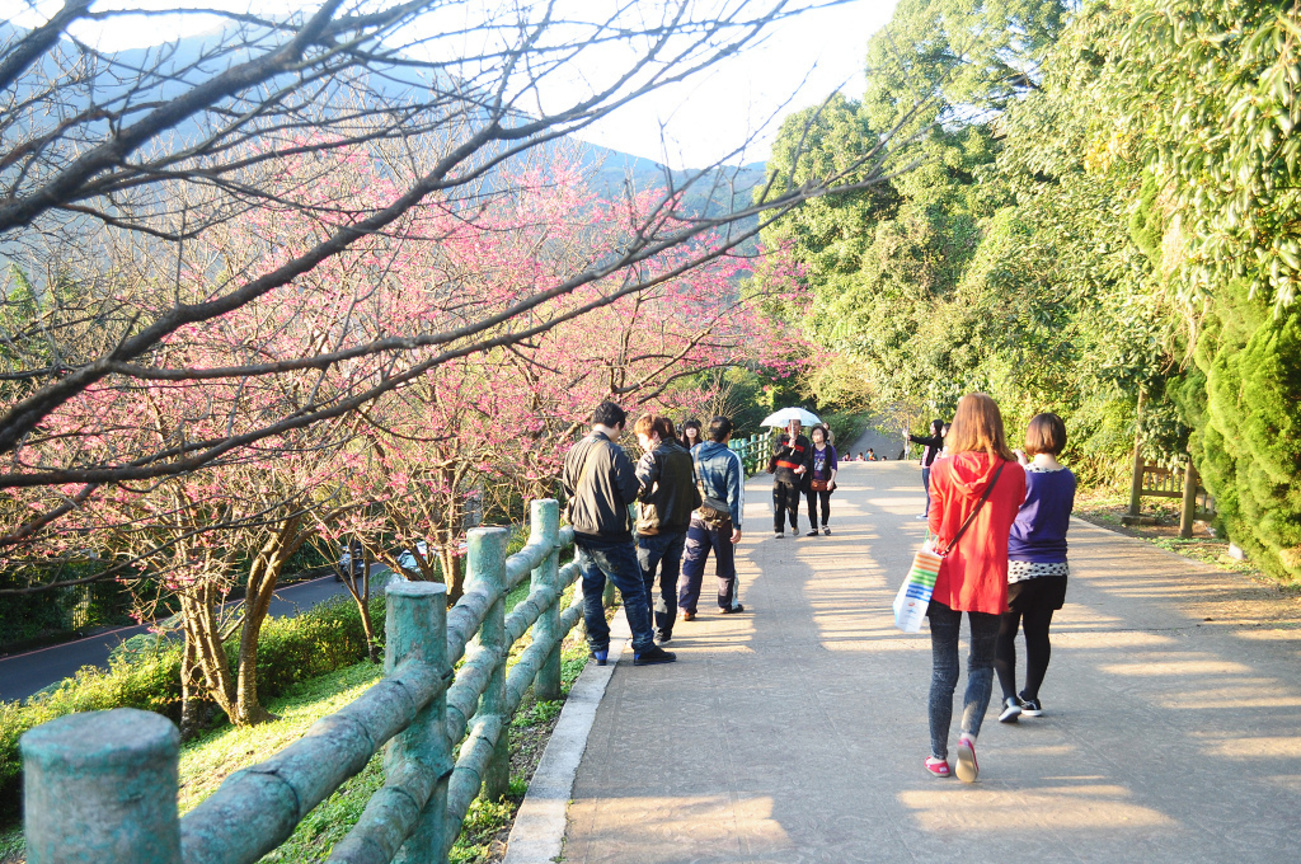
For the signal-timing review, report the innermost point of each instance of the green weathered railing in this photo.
(102, 786)
(754, 452)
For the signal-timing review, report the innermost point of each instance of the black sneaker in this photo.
(1031, 707)
(826, 530)
(652, 655)
(664, 638)
(732, 610)
(813, 533)
(601, 657)
(1011, 710)
(777, 535)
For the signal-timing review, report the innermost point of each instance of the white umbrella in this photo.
(786, 415)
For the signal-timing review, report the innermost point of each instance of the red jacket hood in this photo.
(972, 471)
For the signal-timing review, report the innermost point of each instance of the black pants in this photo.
(813, 498)
(1038, 650)
(785, 501)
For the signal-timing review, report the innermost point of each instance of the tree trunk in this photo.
(359, 589)
(263, 576)
(449, 559)
(190, 692)
(203, 637)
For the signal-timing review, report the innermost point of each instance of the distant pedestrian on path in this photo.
(717, 524)
(934, 444)
(600, 482)
(789, 465)
(975, 497)
(1037, 568)
(823, 468)
(664, 506)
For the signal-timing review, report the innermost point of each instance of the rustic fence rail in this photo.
(102, 786)
(754, 452)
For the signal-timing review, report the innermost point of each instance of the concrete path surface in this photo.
(795, 732)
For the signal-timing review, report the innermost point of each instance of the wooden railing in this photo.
(102, 786)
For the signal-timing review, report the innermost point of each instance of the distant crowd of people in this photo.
(1005, 512)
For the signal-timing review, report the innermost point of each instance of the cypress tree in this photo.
(1248, 447)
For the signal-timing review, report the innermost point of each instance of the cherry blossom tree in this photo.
(122, 173)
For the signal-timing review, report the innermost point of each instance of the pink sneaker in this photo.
(937, 767)
(967, 770)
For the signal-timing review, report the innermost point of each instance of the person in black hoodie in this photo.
(934, 444)
(664, 506)
(789, 465)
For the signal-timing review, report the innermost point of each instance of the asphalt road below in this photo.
(21, 675)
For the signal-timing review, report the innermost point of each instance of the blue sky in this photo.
(715, 114)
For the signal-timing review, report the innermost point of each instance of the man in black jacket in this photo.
(600, 482)
(668, 496)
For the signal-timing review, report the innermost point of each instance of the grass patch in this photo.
(1107, 507)
(211, 758)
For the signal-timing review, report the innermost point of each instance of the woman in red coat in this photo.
(973, 576)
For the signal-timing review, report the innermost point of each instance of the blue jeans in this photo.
(700, 539)
(926, 484)
(945, 624)
(661, 552)
(597, 559)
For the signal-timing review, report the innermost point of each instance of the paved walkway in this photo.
(796, 731)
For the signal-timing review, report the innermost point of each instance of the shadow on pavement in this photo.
(796, 731)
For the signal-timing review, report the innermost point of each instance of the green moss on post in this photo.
(416, 629)
(101, 787)
(487, 554)
(544, 521)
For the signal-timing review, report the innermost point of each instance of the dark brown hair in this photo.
(1046, 434)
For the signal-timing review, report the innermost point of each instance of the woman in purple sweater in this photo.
(1037, 568)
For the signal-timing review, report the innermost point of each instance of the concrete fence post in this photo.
(487, 573)
(544, 528)
(416, 629)
(101, 787)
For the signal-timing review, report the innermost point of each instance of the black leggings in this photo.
(813, 497)
(1038, 650)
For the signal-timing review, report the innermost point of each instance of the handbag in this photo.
(914, 596)
(819, 485)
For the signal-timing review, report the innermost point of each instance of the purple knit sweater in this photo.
(1039, 532)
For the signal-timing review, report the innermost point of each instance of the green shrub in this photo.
(145, 674)
(1249, 449)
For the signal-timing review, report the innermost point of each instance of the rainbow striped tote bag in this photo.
(914, 595)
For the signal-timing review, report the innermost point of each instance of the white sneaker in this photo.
(922, 516)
